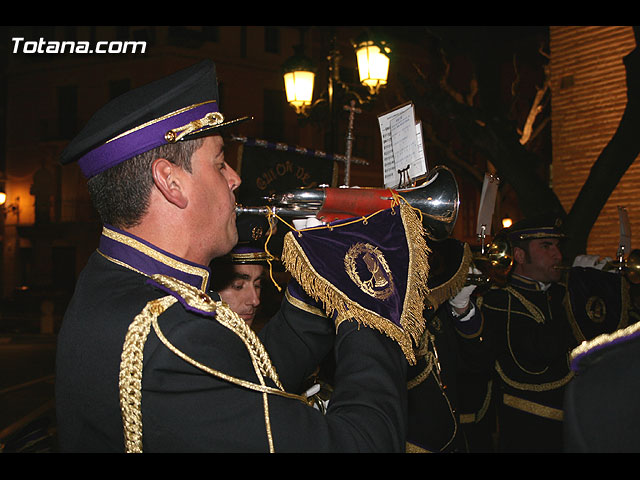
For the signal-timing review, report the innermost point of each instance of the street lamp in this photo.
(372, 56)
(12, 208)
(373, 62)
(299, 75)
(373, 68)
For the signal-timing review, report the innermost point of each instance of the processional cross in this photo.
(352, 114)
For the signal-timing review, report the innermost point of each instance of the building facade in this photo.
(588, 81)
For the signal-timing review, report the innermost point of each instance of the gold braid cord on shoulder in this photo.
(130, 381)
(533, 309)
(537, 315)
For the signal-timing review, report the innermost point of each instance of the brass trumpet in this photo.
(494, 263)
(632, 267)
(629, 267)
(437, 198)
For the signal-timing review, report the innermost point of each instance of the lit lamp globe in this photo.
(299, 76)
(3, 198)
(373, 62)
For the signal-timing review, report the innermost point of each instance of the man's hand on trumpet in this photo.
(461, 303)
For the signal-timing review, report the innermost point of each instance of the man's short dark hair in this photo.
(524, 245)
(120, 194)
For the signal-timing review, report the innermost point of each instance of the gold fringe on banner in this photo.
(412, 322)
(451, 287)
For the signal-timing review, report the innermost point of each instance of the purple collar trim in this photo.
(141, 139)
(142, 256)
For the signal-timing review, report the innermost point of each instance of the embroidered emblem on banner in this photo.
(369, 270)
(596, 309)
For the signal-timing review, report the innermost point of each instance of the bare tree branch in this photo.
(536, 109)
(459, 97)
(455, 159)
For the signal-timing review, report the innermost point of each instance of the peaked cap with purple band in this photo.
(181, 106)
(253, 232)
(249, 255)
(543, 226)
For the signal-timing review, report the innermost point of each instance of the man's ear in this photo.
(167, 178)
(519, 255)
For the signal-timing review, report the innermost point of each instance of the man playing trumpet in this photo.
(527, 333)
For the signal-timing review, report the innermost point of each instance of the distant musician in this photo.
(526, 328)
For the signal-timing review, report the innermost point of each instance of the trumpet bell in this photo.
(439, 201)
(632, 267)
(495, 264)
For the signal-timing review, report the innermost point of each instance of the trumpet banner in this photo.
(372, 270)
(597, 302)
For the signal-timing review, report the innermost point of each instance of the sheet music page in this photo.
(420, 167)
(402, 146)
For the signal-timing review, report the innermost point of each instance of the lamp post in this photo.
(373, 61)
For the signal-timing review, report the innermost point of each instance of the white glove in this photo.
(591, 261)
(461, 299)
(585, 260)
(603, 263)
